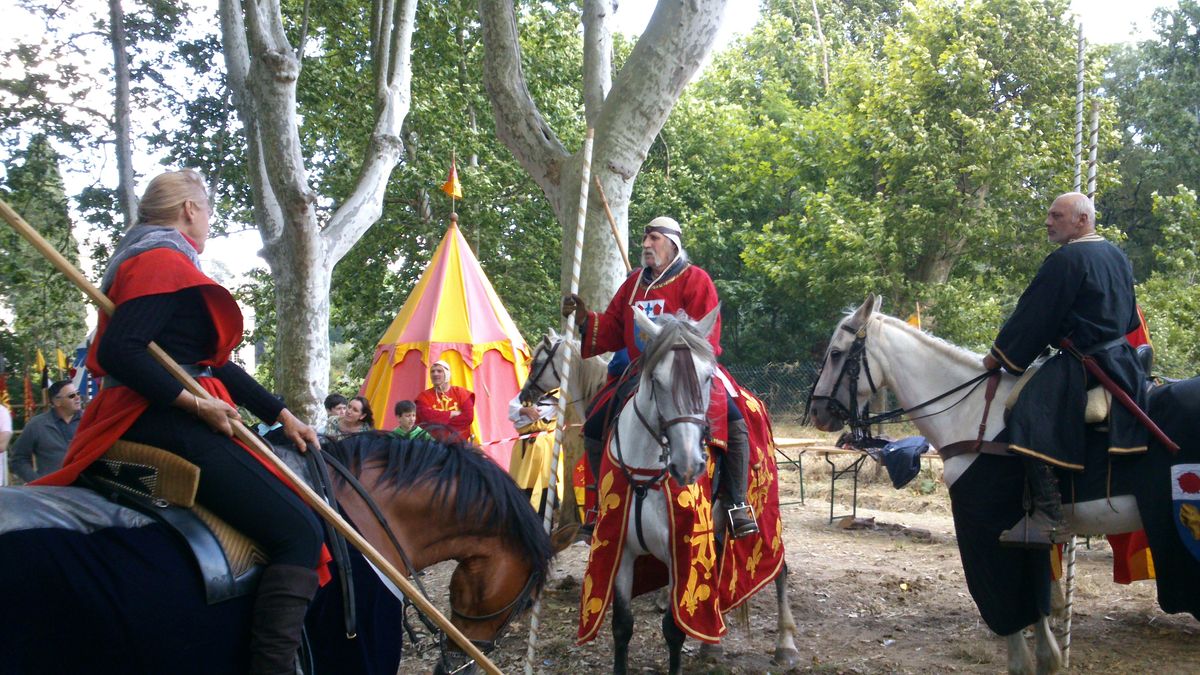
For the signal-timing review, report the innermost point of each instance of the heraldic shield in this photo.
(1185, 497)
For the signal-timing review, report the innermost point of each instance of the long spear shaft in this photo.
(612, 224)
(255, 444)
(565, 376)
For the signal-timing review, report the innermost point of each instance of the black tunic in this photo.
(1083, 291)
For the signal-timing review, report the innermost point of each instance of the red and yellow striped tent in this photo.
(454, 314)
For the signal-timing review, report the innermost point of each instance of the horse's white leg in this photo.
(622, 618)
(786, 655)
(1020, 660)
(1049, 658)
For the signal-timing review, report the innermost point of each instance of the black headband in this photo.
(665, 231)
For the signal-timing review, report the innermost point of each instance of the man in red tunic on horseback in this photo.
(667, 283)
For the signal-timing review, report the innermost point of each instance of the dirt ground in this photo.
(887, 599)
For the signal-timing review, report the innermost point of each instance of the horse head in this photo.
(676, 380)
(845, 384)
(546, 366)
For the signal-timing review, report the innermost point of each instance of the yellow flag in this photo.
(39, 361)
(452, 187)
(914, 319)
(62, 359)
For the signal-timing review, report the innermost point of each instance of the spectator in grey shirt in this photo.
(46, 436)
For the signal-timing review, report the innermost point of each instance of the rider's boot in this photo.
(737, 471)
(595, 453)
(1045, 526)
(280, 604)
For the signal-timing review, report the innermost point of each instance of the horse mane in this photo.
(950, 350)
(686, 389)
(484, 494)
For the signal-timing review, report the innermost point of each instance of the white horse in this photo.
(917, 367)
(673, 395)
(545, 374)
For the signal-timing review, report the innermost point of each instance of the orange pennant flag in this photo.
(452, 187)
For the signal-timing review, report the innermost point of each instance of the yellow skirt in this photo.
(531, 459)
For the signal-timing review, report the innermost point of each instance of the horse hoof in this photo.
(786, 658)
(711, 652)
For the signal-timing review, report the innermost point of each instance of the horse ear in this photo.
(869, 306)
(878, 303)
(645, 324)
(705, 326)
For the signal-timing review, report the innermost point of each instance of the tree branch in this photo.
(677, 40)
(126, 190)
(364, 206)
(597, 56)
(519, 123)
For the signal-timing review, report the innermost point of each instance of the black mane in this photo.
(484, 494)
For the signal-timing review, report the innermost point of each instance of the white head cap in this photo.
(667, 227)
(445, 366)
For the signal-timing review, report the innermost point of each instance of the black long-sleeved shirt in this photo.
(179, 322)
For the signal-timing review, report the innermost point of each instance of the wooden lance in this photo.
(257, 446)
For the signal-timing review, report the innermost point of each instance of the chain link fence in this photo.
(784, 387)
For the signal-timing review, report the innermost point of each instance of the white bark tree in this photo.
(627, 113)
(300, 250)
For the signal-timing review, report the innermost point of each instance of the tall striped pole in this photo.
(1093, 143)
(1078, 149)
(564, 396)
(1069, 594)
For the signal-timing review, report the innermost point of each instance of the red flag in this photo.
(29, 404)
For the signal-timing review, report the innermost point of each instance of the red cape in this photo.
(115, 409)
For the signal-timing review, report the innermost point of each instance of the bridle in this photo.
(698, 415)
(512, 608)
(859, 418)
(532, 384)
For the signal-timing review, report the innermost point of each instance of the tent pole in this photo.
(257, 446)
(585, 178)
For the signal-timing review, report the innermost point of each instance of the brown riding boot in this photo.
(280, 604)
(737, 471)
(1045, 526)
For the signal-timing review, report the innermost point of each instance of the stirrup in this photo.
(747, 527)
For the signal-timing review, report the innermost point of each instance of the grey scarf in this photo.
(142, 238)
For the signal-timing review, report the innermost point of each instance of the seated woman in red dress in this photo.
(444, 410)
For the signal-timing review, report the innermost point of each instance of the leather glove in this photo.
(572, 303)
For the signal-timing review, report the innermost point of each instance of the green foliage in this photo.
(1155, 85)
(47, 311)
(1169, 297)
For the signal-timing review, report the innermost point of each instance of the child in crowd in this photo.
(406, 416)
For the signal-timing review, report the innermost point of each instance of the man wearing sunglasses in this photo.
(667, 283)
(46, 436)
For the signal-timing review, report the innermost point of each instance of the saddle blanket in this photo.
(706, 585)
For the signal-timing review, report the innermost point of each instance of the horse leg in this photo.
(674, 637)
(786, 654)
(622, 618)
(1020, 660)
(1049, 658)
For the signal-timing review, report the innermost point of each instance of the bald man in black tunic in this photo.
(1083, 291)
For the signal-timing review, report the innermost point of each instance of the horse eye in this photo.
(835, 353)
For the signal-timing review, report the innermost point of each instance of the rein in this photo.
(486, 646)
(856, 362)
(642, 487)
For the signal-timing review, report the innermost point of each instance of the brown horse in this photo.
(122, 592)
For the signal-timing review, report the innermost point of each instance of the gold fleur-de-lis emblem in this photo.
(608, 499)
(590, 605)
(755, 557)
(694, 593)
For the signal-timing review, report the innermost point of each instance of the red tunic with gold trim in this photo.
(690, 289)
(433, 411)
